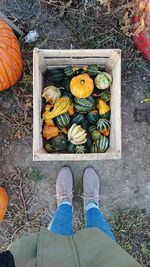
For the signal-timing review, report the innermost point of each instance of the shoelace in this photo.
(85, 197)
(65, 195)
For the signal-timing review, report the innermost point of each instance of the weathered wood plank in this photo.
(83, 61)
(37, 105)
(11, 24)
(42, 156)
(77, 53)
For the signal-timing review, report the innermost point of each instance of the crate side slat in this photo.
(37, 87)
(114, 58)
(115, 138)
(77, 53)
(76, 157)
(69, 61)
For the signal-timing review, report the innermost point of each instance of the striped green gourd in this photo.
(70, 71)
(84, 105)
(93, 116)
(106, 115)
(105, 95)
(103, 124)
(62, 120)
(77, 118)
(66, 84)
(102, 144)
(94, 148)
(69, 95)
(91, 69)
(95, 134)
(57, 75)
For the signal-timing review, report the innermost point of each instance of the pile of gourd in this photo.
(76, 110)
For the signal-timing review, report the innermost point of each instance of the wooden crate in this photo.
(44, 59)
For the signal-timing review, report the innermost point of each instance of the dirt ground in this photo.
(125, 183)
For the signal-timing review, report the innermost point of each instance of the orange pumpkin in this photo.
(3, 203)
(50, 131)
(82, 86)
(10, 57)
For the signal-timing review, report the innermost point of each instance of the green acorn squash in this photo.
(103, 124)
(77, 118)
(66, 84)
(69, 95)
(70, 71)
(57, 75)
(105, 95)
(100, 145)
(62, 120)
(59, 143)
(95, 134)
(93, 116)
(84, 105)
(91, 69)
(71, 147)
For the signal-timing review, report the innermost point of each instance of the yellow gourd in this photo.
(103, 107)
(61, 106)
(48, 107)
(47, 121)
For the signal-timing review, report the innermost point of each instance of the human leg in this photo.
(94, 217)
(61, 223)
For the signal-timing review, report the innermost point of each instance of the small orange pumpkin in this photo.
(10, 57)
(82, 86)
(3, 203)
(50, 131)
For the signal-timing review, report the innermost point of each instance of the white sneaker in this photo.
(64, 185)
(91, 186)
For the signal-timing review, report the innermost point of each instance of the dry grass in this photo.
(20, 217)
(132, 231)
(19, 116)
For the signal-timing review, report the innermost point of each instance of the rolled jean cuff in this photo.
(66, 202)
(91, 205)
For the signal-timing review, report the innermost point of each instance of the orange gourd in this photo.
(71, 110)
(82, 86)
(48, 107)
(64, 130)
(3, 203)
(10, 57)
(105, 132)
(50, 131)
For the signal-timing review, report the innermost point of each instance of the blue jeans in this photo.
(61, 223)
